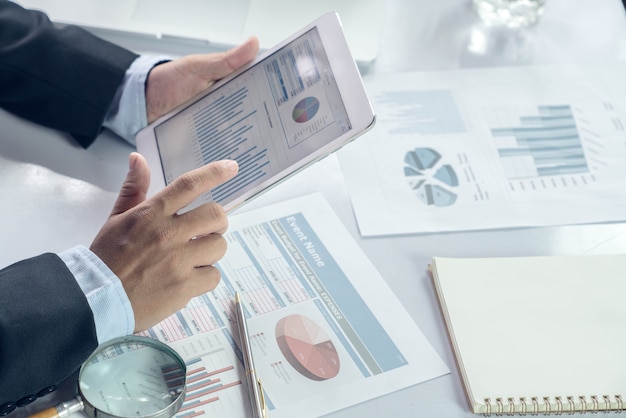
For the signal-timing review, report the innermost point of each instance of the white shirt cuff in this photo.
(128, 113)
(112, 311)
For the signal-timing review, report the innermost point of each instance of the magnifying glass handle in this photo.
(62, 410)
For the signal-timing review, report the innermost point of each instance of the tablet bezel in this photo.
(350, 86)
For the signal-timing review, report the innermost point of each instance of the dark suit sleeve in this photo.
(63, 78)
(46, 327)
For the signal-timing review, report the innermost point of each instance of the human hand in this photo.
(172, 83)
(164, 258)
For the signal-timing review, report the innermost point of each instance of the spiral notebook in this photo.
(537, 335)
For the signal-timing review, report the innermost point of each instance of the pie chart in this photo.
(307, 347)
(305, 109)
(432, 181)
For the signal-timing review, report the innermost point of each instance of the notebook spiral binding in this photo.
(557, 406)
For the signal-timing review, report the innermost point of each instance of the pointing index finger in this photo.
(192, 184)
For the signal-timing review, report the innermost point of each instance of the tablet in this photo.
(290, 107)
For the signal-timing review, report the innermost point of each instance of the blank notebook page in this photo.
(537, 327)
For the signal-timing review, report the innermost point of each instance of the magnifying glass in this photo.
(128, 377)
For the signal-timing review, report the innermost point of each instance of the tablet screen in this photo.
(267, 118)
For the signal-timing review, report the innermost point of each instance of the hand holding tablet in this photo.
(290, 107)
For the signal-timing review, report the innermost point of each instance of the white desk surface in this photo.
(55, 195)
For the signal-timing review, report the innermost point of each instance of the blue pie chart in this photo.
(431, 180)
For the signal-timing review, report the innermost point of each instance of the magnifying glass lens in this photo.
(132, 379)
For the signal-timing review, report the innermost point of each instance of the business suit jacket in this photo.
(61, 78)
(64, 79)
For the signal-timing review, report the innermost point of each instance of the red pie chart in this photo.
(307, 347)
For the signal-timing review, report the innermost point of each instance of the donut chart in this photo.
(305, 109)
(307, 348)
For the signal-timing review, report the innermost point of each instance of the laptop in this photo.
(144, 24)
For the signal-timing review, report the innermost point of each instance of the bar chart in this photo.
(208, 380)
(221, 130)
(545, 142)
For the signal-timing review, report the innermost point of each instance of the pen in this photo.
(62, 410)
(255, 390)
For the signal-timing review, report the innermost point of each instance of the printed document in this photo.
(326, 331)
(490, 148)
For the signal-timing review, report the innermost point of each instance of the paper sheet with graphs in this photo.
(490, 148)
(326, 331)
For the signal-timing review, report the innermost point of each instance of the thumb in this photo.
(242, 54)
(135, 187)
